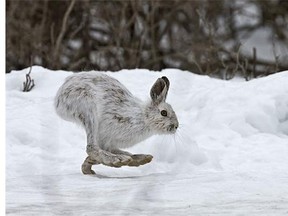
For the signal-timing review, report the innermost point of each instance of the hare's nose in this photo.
(176, 125)
(173, 126)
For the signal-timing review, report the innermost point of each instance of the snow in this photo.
(229, 156)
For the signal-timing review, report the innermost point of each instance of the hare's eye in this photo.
(164, 113)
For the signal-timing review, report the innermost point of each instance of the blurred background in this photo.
(219, 38)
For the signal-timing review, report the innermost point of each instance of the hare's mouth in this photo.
(172, 128)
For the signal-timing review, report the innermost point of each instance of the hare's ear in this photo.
(159, 90)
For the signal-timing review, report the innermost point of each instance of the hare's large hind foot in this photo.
(114, 160)
(87, 166)
(140, 159)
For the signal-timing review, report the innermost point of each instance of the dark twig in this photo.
(254, 61)
(29, 84)
(276, 57)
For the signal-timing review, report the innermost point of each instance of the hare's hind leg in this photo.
(140, 159)
(98, 155)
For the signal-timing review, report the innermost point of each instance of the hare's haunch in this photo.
(113, 118)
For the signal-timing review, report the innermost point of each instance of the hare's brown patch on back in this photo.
(122, 119)
(115, 96)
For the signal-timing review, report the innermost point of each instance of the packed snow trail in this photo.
(229, 156)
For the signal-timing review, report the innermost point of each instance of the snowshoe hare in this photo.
(113, 118)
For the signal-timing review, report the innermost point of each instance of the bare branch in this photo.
(63, 30)
(29, 83)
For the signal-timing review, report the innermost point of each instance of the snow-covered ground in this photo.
(229, 157)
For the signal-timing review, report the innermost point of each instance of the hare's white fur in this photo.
(112, 117)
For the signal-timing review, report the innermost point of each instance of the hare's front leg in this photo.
(87, 166)
(137, 159)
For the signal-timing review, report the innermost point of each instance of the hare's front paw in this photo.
(87, 165)
(113, 160)
(140, 159)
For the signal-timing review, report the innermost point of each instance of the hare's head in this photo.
(160, 115)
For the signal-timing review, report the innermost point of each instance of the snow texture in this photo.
(229, 156)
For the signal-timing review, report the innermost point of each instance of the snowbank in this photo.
(230, 151)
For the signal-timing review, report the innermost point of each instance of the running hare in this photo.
(113, 118)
